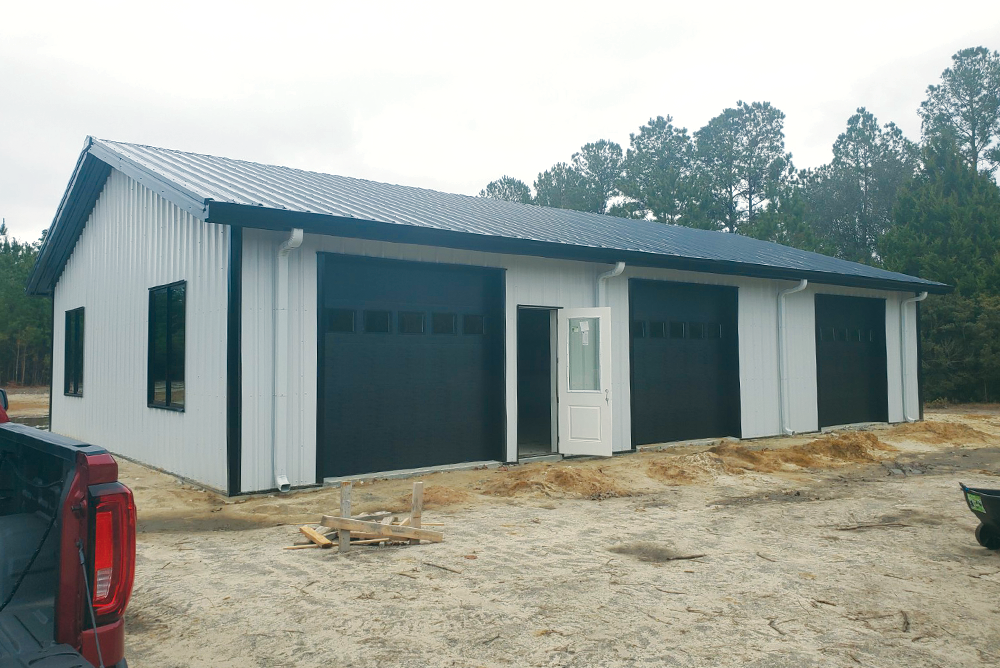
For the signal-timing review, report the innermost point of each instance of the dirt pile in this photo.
(687, 469)
(833, 450)
(435, 496)
(555, 481)
(938, 433)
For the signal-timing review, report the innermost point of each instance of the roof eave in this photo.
(241, 215)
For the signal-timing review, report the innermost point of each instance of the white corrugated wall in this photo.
(135, 240)
(536, 282)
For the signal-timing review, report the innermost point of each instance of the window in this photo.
(73, 368)
(677, 330)
(713, 330)
(165, 375)
(658, 329)
(696, 330)
(444, 323)
(339, 320)
(473, 324)
(638, 329)
(377, 322)
(411, 322)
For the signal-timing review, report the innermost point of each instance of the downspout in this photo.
(903, 368)
(617, 271)
(782, 358)
(279, 376)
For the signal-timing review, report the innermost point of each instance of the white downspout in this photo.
(279, 376)
(617, 271)
(782, 358)
(903, 368)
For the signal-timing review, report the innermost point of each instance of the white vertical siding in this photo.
(536, 282)
(135, 240)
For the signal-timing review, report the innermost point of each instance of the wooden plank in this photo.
(302, 547)
(344, 533)
(316, 537)
(416, 508)
(390, 530)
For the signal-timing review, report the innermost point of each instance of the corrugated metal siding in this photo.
(536, 282)
(135, 240)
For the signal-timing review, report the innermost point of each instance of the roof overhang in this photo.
(239, 215)
(96, 161)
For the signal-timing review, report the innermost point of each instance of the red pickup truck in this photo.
(67, 551)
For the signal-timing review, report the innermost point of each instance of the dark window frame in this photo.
(470, 318)
(368, 318)
(438, 318)
(73, 352)
(170, 353)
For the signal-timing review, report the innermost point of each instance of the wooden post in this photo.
(416, 509)
(343, 535)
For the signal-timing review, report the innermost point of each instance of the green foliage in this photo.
(966, 106)
(507, 189)
(658, 173)
(948, 229)
(743, 163)
(25, 326)
(565, 187)
(600, 165)
(852, 198)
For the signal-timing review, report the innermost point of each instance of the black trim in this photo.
(52, 352)
(73, 351)
(920, 368)
(234, 363)
(315, 223)
(85, 186)
(168, 404)
(320, 360)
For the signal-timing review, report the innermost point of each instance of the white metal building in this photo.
(252, 327)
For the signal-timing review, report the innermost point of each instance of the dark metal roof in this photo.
(236, 192)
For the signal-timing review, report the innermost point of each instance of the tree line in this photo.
(929, 208)
(25, 322)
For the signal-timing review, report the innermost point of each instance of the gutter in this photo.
(279, 376)
(617, 271)
(904, 369)
(782, 358)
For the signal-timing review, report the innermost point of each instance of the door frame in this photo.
(600, 398)
(553, 373)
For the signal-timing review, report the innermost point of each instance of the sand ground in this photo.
(843, 551)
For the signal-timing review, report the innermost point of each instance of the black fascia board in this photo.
(78, 201)
(258, 217)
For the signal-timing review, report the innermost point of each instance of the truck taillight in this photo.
(112, 549)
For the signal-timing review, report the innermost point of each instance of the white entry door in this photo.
(584, 371)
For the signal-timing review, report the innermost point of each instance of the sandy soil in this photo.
(851, 549)
(29, 405)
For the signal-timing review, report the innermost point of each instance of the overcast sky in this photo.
(441, 95)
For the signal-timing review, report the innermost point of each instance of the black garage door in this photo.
(685, 361)
(410, 365)
(851, 380)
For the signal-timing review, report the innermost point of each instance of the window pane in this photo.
(158, 346)
(175, 355)
(638, 329)
(584, 354)
(658, 329)
(78, 375)
(339, 320)
(444, 323)
(696, 330)
(677, 330)
(411, 323)
(377, 322)
(69, 362)
(473, 324)
(713, 330)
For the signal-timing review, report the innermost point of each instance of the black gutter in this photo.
(316, 223)
(234, 363)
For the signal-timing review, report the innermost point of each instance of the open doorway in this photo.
(536, 406)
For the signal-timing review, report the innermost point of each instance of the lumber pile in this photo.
(379, 528)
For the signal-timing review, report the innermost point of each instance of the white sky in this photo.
(442, 95)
